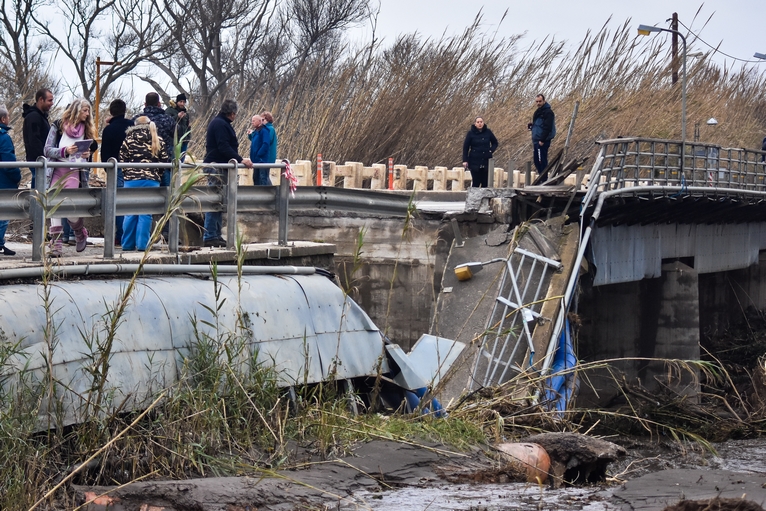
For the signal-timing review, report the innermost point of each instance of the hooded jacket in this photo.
(478, 147)
(137, 148)
(9, 177)
(543, 124)
(35, 131)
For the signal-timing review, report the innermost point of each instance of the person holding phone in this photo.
(543, 128)
(72, 139)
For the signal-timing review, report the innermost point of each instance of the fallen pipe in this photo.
(155, 269)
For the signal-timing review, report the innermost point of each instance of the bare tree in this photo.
(130, 36)
(208, 44)
(22, 63)
(318, 24)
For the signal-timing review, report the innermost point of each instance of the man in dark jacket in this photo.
(221, 145)
(36, 126)
(543, 130)
(9, 177)
(111, 140)
(165, 126)
(180, 115)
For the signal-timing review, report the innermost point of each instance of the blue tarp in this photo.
(560, 386)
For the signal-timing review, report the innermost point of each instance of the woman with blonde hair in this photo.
(141, 145)
(71, 138)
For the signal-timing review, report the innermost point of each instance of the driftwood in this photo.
(575, 458)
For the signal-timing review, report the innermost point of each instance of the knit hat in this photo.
(181, 97)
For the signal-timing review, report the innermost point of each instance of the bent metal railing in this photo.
(644, 166)
(109, 202)
(630, 162)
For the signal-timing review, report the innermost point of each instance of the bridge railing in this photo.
(109, 201)
(631, 162)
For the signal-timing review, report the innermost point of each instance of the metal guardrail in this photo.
(633, 166)
(110, 201)
(630, 162)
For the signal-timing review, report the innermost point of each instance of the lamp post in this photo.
(761, 56)
(646, 30)
(97, 103)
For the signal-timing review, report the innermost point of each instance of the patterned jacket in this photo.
(166, 125)
(137, 148)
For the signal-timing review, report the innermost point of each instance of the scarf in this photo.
(75, 131)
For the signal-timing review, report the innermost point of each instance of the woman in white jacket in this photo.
(71, 138)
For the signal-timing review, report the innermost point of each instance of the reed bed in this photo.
(415, 99)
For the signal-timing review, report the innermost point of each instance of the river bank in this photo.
(386, 475)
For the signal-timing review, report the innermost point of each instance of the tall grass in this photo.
(415, 99)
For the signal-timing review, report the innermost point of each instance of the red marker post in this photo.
(390, 173)
(319, 169)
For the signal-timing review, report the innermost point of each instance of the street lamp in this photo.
(760, 56)
(646, 30)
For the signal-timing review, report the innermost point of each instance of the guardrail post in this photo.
(37, 210)
(173, 223)
(231, 204)
(282, 207)
(528, 174)
(109, 207)
(491, 173)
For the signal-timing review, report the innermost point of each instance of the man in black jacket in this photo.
(111, 140)
(543, 130)
(36, 126)
(221, 145)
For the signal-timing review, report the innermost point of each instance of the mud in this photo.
(391, 476)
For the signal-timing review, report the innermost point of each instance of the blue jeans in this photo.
(541, 155)
(214, 219)
(67, 232)
(3, 227)
(137, 228)
(261, 177)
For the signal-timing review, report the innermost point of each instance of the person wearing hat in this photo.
(177, 111)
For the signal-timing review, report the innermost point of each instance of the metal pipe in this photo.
(168, 269)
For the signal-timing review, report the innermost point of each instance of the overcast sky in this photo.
(739, 26)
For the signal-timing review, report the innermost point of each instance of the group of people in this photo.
(480, 143)
(149, 137)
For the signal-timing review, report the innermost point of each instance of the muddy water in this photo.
(737, 455)
(485, 497)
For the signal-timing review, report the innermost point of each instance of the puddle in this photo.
(485, 497)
